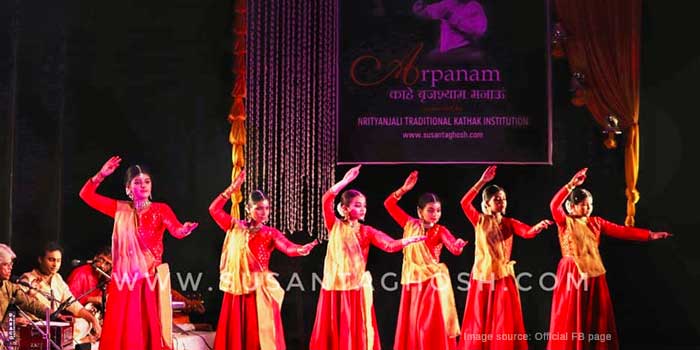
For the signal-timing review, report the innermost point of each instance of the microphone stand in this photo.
(48, 296)
(53, 302)
(103, 286)
(46, 335)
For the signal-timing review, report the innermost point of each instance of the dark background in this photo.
(150, 81)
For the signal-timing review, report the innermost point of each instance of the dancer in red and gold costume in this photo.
(427, 313)
(139, 312)
(581, 304)
(493, 317)
(345, 317)
(250, 312)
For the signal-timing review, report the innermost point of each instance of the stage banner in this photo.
(444, 81)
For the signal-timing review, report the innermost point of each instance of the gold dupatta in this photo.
(580, 242)
(490, 252)
(132, 261)
(237, 278)
(419, 265)
(344, 269)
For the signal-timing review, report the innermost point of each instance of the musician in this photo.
(86, 277)
(48, 284)
(11, 292)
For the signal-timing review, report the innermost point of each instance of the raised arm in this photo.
(526, 231)
(176, 229)
(382, 241)
(216, 208)
(455, 246)
(622, 232)
(392, 202)
(290, 248)
(466, 203)
(88, 193)
(329, 197)
(555, 206)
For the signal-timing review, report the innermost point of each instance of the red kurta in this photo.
(421, 322)
(493, 317)
(132, 318)
(340, 322)
(238, 326)
(582, 315)
(81, 280)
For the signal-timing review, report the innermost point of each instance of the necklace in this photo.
(139, 206)
(253, 226)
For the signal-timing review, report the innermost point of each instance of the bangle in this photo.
(225, 195)
(570, 187)
(397, 194)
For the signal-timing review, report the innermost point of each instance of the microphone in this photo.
(17, 280)
(76, 262)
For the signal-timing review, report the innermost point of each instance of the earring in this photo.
(129, 194)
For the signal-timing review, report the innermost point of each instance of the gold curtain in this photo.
(237, 114)
(602, 42)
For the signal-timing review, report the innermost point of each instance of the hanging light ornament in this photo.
(612, 128)
(578, 87)
(558, 38)
(293, 53)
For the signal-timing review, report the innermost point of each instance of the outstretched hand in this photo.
(659, 235)
(579, 177)
(542, 225)
(351, 174)
(460, 243)
(239, 180)
(411, 240)
(488, 175)
(188, 227)
(410, 181)
(306, 248)
(235, 184)
(110, 166)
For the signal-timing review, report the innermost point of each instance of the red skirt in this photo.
(421, 325)
(238, 324)
(339, 324)
(493, 318)
(582, 313)
(132, 320)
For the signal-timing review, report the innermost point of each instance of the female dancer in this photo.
(345, 314)
(427, 315)
(581, 302)
(139, 312)
(250, 312)
(493, 317)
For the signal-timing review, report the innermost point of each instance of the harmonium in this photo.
(29, 338)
